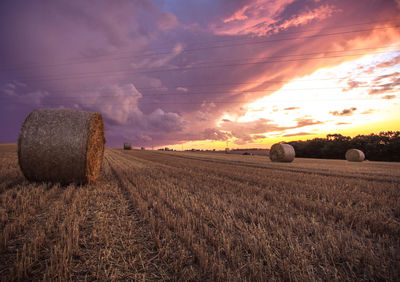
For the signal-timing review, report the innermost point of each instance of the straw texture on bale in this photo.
(282, 153)
(61, 145)
(127, 146)
(355, 155)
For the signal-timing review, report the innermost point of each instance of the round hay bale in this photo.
(355, 155)
(127, 146)
(282, 153)
(61, 145)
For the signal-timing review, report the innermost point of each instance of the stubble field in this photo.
(198, 216)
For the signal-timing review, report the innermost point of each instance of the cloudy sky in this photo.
(204, 73)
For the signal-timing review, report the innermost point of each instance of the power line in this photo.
(389, 47)
(197, 103)
(220, 84)
(185, 95)
(205, 93)
(285, 39)
(205, 48)
(90, 60)
(388, 21)
(87, 75)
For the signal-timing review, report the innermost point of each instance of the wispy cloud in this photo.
(182, 89)
(297, 134)
(386, 88)
(291, 108)
(352, 84)
(393, 62)
(263, 17)
(305, 17)
(386, 64)
(125, 60)
(393, 76)
(345, 112)
(367, 112)
(389, 97)
(305, 121)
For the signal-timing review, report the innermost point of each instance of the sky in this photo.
(204, 74)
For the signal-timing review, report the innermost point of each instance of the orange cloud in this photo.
(254, 18)
(263, 17)
(307, 16)
(389, 97)
(297, 134)
(239, 15)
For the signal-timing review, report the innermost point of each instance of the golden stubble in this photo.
(196, 216)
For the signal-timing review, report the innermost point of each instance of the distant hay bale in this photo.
(355, 155)
(127, 146)
(282, 153)
(61, 145)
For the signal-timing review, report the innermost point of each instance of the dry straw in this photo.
(127, 146)
(61, 145)
(282, 153)
(355, 155)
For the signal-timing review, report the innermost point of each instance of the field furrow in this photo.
(203, 216)
(176, 258)
(33, 213)
(343, 199)
(178, 191)
(335, 168)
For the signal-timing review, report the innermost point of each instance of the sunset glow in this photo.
(244, 75)
(333, 98)
(336, 99)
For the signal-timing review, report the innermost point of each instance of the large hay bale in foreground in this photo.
(282, 153)
(355, 155)
(61, 145)
(127, 146)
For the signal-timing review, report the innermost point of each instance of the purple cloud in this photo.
(305, 121)
(157, 69)
(215, 134)
(345, 112)
(386, 88)
(394, 61)
(353, 84)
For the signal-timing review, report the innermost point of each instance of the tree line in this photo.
(384, 146)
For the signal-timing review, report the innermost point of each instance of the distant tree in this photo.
(384, 146)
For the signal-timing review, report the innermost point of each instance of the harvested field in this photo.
(196, 216)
